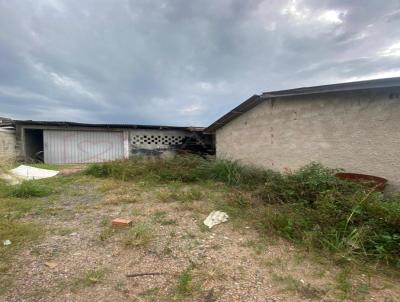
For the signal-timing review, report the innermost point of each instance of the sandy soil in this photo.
(228, 263)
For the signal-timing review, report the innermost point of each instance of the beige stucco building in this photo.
(354, 126)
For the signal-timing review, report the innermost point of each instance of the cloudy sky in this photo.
(182, 62)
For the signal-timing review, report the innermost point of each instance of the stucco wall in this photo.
(359, 132)
(7, 143)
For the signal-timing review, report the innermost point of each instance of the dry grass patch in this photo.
(115, 199)
(89, 278)
(198, 282)
(139, 235)
(107, 185)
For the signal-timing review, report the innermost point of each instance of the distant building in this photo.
(68, 142)
(355, 126)
(4, 120)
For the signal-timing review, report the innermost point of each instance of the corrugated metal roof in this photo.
(243, 107)
(341, 87)
(107, 126)
(350, 86)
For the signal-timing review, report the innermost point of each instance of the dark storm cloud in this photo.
(182, 62)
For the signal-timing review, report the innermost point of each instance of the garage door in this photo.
(65, 147)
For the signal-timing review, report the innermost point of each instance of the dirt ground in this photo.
(82, 258)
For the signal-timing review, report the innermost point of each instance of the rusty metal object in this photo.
(375, 182)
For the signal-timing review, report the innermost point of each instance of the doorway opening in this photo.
(33, 143)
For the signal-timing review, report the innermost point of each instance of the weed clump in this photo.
(309, 206)
(139, 235)
(314, 207)
(28, 189)
(235, 174)
(180, 168)
(187, 169)
(184, 286)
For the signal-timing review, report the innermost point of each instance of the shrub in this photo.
(233, 173)
(308, 184)
(344, 217)
(28, 189)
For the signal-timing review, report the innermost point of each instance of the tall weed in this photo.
(309, 206)
(340, 216)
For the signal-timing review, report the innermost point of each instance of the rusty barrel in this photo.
(378, 183)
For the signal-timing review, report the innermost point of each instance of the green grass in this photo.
(13, 208)
(93, 276)
(89, 278)
(186, 169)
(191, 282)
(309, 206)
(313, 207)
(55, 167)
(184, 285)
(344, 284)
(16, 203)
(28, 189)
(139, 235)
(20, 234)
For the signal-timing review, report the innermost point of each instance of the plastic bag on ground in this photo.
(215, 217)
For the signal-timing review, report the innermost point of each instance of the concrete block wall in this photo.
(7, 144)
(149, 142)
(357, 131)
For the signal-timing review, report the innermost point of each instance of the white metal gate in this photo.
(64, 146)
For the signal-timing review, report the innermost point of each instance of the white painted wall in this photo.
(359, 132)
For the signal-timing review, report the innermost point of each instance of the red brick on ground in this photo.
(121, 222)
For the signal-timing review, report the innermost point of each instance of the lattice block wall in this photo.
(153, 138)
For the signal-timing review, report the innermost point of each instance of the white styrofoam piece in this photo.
(23, 172)
(215, 217)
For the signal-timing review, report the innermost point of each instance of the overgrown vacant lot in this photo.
(290, 237)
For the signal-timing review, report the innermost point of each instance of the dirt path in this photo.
(82, 258)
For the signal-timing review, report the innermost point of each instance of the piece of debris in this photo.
(121, 222)
(21, 173)
(144, 274)
(51, 264)
(215, 217)
(6, 242)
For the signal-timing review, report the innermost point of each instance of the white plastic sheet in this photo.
(23, 172)
(215, 217)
